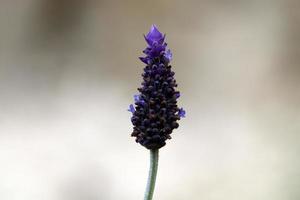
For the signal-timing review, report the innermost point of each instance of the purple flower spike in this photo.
(156, 112)
(131, 109)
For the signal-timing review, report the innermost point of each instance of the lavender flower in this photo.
(156, 112)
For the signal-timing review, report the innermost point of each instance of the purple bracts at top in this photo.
(154, 36)
(156, 46)
(156, 112)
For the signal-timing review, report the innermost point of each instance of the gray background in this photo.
(69, 69)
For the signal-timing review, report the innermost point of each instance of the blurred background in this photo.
(69, 69)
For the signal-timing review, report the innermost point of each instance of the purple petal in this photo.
(131, 109)
(136, 98)
(148, 40)
(144, 59)
(154, 36)
(143, 102)
(181, 113)
(168, 55)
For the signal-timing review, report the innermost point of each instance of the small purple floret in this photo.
(181, 113)
(131, 108)
(155, 110)
(168, 55)
(136, 98)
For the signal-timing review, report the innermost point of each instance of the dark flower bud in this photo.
(156, 112)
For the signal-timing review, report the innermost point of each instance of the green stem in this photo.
(152, 174)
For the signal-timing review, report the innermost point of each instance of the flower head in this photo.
(156, 112)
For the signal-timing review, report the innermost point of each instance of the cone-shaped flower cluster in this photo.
(155, 113)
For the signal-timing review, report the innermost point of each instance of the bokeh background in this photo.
(69, 69)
